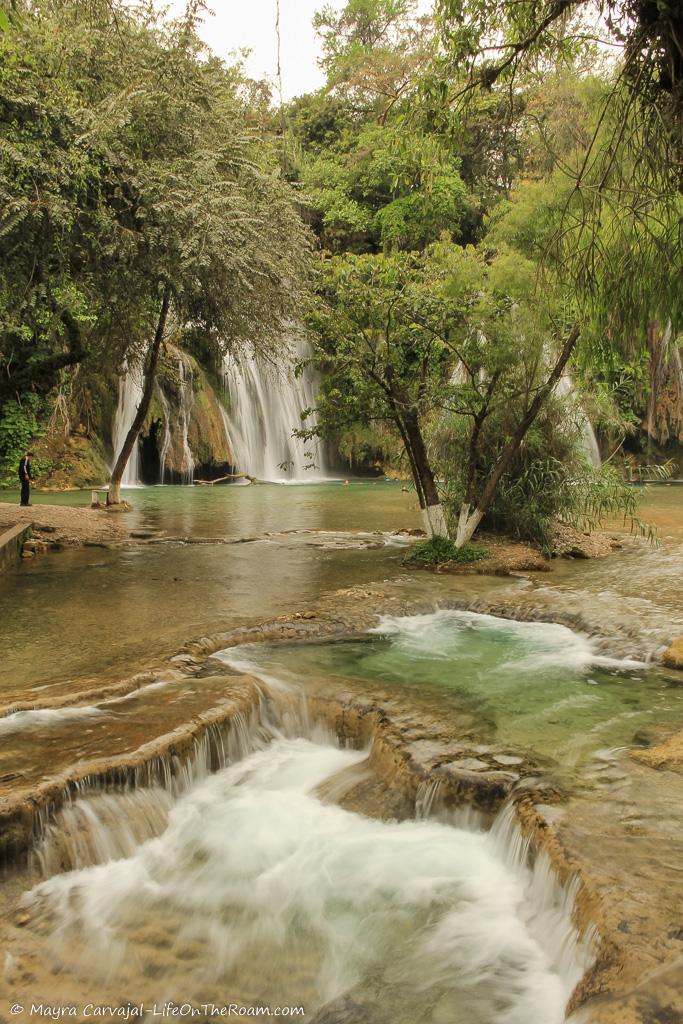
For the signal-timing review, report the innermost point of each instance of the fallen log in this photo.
(229, 476)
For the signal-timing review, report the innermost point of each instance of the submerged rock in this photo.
(345, 1011)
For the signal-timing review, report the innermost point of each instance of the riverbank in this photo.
(62, 526)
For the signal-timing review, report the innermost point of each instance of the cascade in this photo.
(565, 387)
(166, 442)
(168, 872)
(176, 425)
(265, 408)
(186, 403)
(130, 396)
(325, 898)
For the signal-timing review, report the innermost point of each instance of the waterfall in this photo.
(130, 396)
(296, 898)
(265, 409)
(186, 404)
(166, 443)
(232, 846)
(565, 387)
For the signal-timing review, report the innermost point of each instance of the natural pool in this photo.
(534, 687)
(88, 613)
(253, 883)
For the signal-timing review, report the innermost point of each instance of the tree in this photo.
(624, 199)
(382, 328)
(138, 200)
(505, 39)
(384, 188)
(511, 352)
(373, 51)
(412, 339)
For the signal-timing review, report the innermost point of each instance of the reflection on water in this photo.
(84, 613)
(87, 614)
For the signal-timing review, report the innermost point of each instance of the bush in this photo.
(551, 478)
(442, 549)
(18, 428)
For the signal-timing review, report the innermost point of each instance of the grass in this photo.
(442, 549)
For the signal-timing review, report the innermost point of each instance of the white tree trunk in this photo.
(114, 494)
(467, 523)
(434, 521)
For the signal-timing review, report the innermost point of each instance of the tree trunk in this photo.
(432, 511)
(114, 495)
(471, 518)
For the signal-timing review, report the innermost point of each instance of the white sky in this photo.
(250, 24)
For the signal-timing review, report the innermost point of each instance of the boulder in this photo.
(673, 655)
(570, 543)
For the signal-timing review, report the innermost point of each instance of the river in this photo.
(204, 837)
(89, 613)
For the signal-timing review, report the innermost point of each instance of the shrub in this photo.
(551, 478)
(18, 428)
(442, 549)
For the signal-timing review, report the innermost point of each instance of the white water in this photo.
(130, 396)
(539, 646)
(166, 442)
(186, 404)
(258, 889)
(37, 717)
(565, 387)
(265, 408)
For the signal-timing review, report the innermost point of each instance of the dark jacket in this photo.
(24, 469)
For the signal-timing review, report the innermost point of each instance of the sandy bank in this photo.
(62, 526)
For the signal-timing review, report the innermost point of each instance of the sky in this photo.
(250, 24)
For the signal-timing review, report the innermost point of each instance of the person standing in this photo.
(25, 477)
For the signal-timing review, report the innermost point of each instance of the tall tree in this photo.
(137, 199)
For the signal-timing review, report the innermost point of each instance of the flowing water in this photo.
(96, 613)
(261, 892)
(130, 395)
(264, 415)
(244, 878)
(527, 686)
(88, 612)
(185, 378)
(565, 388)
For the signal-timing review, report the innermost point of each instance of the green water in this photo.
(68, 620)
(81, 614)
(529, 686)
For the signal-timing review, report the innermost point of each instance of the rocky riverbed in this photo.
(111, 754)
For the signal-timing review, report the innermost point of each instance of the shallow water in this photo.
(530, 686)
(88, 612)
(259, 891)
(70, 620)
(255, 888)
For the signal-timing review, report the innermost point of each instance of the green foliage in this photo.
(128, 164)
(372, 50)
(18, 428)
(550, 480)
(382, 187)
(437, 550)
(383, 328)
